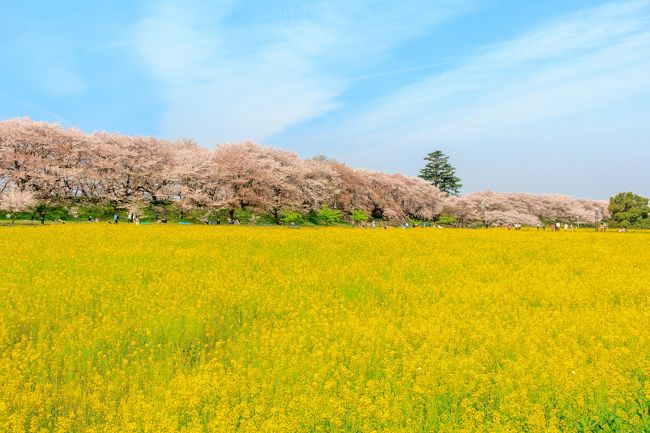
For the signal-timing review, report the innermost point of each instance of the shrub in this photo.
(291, 217)
(328, 215)
(359, 216)
(446, 220)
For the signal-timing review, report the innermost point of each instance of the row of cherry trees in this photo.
(522, 208)
(42, 163)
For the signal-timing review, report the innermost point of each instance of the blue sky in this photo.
(549, 96)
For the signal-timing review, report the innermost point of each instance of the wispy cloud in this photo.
(583, 63)
(252, 69)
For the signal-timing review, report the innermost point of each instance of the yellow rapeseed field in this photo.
(219, 329)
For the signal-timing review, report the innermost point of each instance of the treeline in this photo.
(528, 209)
(43, 165)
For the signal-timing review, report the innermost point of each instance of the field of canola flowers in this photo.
(221, 329)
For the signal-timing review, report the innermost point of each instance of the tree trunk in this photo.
(231, 214)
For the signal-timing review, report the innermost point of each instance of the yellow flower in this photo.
(203, 328)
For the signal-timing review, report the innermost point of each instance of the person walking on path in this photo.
(116, 217)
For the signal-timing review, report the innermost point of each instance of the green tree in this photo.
(328, 215)
(291, 217)
(446, 220)
(440, 173)
(359, 216)
(628, 209)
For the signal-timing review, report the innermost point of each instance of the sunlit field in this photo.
(216, 329)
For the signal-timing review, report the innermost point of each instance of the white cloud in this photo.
(583, 63)
(247, 70)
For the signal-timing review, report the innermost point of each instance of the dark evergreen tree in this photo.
(628, 209)
(440, 173)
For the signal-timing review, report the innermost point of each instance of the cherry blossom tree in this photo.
(258, 177)
(66, 167)
(193, 184)
(529, 209)
(321, 184)
(15, 201)
(131, 168)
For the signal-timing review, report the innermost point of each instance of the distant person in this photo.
(42, 219)
(116, 217)
(129, 218)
